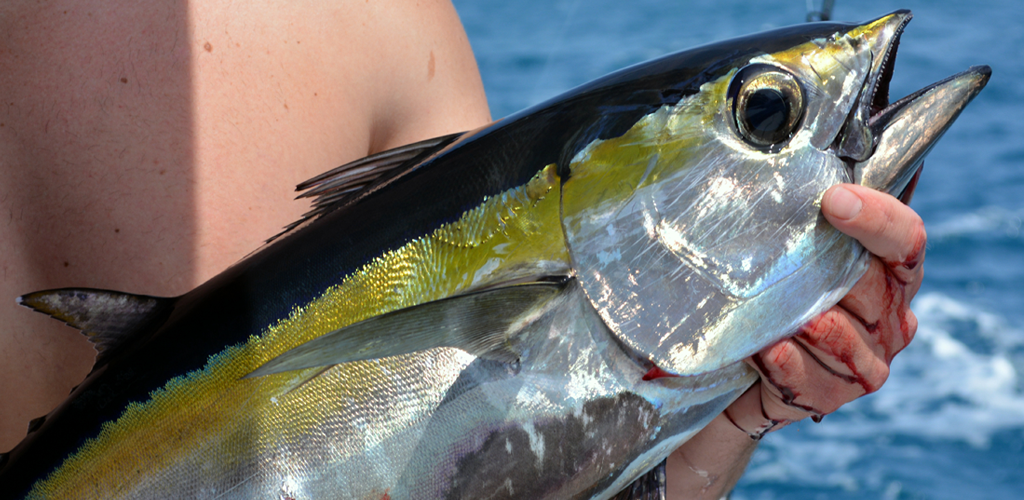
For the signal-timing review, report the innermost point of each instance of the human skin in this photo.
(145, 148)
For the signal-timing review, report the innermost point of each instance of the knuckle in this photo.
(780, 356)
(919, 231)
(825, 328)
(836, 340)
(899, 232)
(911, 321)
(903, 334)
(877, 378)
(917, 239)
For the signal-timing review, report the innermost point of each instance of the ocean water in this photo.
(949, 423)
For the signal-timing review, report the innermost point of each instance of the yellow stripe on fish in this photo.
(514, 233)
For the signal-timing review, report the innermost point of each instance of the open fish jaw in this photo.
(718, 248)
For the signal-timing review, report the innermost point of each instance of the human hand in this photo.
(845, 352)
(838, 357)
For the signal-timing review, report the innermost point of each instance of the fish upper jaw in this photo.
(884, 144)
(856, 139)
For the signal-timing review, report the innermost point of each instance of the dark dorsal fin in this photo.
(333, 188)
(110, 319)
(484, 323)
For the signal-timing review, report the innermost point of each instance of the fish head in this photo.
(698, 235)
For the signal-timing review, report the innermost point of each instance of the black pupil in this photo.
(766, 113)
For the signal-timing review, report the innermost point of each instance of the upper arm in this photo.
(429, 81)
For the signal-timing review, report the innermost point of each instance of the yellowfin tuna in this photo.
(480, 315)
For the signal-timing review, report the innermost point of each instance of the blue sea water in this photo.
(949, 423)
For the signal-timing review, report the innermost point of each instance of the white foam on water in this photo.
(818, 462)
(939, 388)
(991, 220)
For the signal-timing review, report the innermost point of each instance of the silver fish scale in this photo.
(477, 428)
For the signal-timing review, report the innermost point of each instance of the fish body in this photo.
(480, 315)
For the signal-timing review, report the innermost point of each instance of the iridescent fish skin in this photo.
(481, 320)
(729, 234)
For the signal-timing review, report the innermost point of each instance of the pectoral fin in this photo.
(483, 323)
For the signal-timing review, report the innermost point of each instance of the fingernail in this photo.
(844, 204)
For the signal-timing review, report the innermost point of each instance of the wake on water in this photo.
(990, 221)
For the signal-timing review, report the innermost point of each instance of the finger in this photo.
(884, 225)
(832, 361)
(748, 414)
(795, 385)
(880, 304)
(847, 348)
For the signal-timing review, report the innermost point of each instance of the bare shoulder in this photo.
(404, 64)
(147, 146)
(289, 91)
(437, 83)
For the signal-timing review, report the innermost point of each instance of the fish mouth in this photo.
(855, 141)
(907, 129)
(885, 143)
(879, 99)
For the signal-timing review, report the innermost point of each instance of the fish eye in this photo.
(767, 105)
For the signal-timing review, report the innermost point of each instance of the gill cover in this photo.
(698, 235)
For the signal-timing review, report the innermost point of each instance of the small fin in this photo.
(481, 323)
(108, 318)
(333, 188)
(35, 424)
